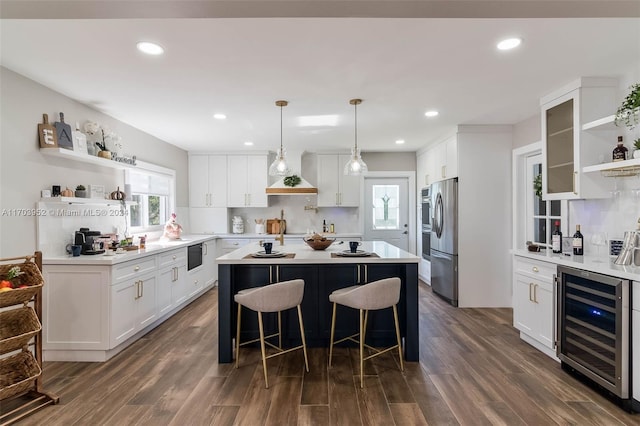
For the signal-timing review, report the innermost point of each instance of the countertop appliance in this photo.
(426, 212)
(593, 333)
(194, 256)
(86, 238)
(444, 240)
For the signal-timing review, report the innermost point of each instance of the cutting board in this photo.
(63, 132)
(273, 226)
(47, 133)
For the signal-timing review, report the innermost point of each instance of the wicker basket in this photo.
(17, 327)
(319, 244)
(17, 374)
(32, 278)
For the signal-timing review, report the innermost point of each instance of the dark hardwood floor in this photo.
(474, 370)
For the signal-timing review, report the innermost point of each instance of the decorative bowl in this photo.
(318, 243)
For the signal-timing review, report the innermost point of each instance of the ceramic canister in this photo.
(238, 225)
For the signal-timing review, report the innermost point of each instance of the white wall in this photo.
(24, 171)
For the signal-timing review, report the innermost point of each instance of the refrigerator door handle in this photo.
(439, 216)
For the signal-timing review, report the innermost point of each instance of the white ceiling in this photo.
(400, 67)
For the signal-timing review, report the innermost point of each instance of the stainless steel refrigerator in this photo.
(444, 240)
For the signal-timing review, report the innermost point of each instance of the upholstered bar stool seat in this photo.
(275, 297)
(376, 295)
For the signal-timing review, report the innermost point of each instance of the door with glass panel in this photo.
(386, 211)
(541, 215)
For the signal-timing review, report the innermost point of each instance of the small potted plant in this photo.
(628, 113)
(81, 191)
(104, 152)
(636, 145)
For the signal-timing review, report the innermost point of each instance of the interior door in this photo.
(386, 210)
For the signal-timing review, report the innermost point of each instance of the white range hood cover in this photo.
(294, 160)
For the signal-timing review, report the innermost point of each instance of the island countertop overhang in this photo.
(385, 253)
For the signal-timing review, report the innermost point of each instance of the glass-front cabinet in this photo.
(567, 147)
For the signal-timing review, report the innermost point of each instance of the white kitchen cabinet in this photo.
(334, 187)
(209, 269)
(227, 245)
(133, 306)
(567, 147)
(445, 160)
(533, 308)
(247, 181)
(172, 268)
(207, 180)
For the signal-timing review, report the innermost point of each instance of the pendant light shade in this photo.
(279, 167)
(355, 166)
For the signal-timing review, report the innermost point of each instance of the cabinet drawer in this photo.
(536, 269)
(173, 257)
(233, 244)
(135, 267)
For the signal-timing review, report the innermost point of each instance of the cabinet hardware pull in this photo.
(174, 257)
(206, 249)
(442, 172)
(137, 268)
(535, 269)
(366, 273)
(195, 282)
(270, 274)
(535, 293)
(574, 183)
(141, 289)
(277, 273)
(530, 285)
(358, 280)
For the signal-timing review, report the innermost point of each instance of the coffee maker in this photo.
(86, 239)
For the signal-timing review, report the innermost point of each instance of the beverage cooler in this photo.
(593, 329)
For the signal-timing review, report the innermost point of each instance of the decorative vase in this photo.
(105, 154)
(81, 193)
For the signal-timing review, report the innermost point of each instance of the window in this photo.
(386, 207)
(540, 215)
(152, 196)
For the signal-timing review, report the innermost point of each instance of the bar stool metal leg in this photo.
(304, 340)
(238, 337)
(361, 348)
(395, 317)
(333, 329)
(264, 355)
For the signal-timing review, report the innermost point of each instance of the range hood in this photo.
(294, 159)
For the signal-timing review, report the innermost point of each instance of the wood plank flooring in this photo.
(473, 370)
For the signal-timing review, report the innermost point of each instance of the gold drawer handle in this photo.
(137, 268)
(535, 269)
(174, 257)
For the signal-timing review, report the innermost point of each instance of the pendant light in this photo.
(279, 167)
(355, 166)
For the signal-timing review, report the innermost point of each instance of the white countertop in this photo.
(153, 247)
(304, 254)
(602, 265)
(266, 237)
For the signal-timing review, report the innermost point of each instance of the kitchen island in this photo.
(323, 272)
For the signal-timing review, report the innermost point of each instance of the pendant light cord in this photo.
(281, 130)
(355, 109)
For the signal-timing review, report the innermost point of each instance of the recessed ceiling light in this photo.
(509, 43)
(432, 113)
(219, 116)
(400, 141)
(248, 143)
(150, 48)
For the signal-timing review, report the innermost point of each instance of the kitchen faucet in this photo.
(281, 236)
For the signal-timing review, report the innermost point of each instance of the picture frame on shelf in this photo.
(96, 191)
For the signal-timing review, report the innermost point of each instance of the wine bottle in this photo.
(556, 239)
(620, 151)
(577, 242)
(324, 226)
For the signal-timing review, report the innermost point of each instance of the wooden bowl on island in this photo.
(318, 242)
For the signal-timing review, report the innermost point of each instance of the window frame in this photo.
(151, 169)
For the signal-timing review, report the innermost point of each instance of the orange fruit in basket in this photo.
(5, 289)
(5, 284)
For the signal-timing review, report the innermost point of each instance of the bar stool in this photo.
(376, 295)
(275, 297)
